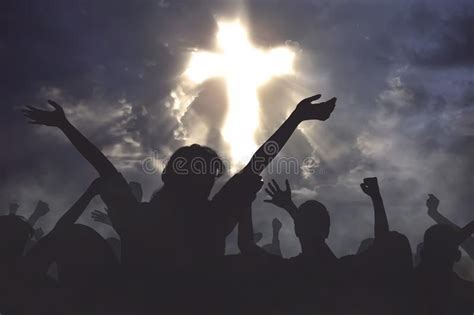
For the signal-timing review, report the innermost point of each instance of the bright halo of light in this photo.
(245, 68)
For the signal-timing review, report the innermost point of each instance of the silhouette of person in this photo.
(439, 290)
(311, 221)
(14, 235)
(385, 264)
(306, 273)
(432, 204)
(158, 233)
(87, 267)
(382, 272)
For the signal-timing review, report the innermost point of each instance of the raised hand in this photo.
(370, 186)
(280, 198)
(306, 109)
(95, 188)
(101, 216)
(55, 118)
(244, 187)
(276, 224)
(432, 203)
(42, 208)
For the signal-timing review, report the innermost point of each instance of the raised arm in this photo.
(466, 231)
(370, 186)
(468, 241)
(281, 198)
(41, 209)
(38, 258)
(432, 204)
(78, 208)
(117, 194)
(305, 110)
(57, 118)
(234, 190)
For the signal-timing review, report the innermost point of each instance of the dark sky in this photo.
(402, 72)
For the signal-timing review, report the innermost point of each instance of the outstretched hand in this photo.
(55, 118)
(432, 203)
(307, 110)
(101, 216)
(370, 186)
(280, 198)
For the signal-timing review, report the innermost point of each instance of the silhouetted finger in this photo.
(28, 113)
(272, 188)
(314, 98)
(34, 123)
(54, 104)
(287, 184)
(270, 193)
(276, 185)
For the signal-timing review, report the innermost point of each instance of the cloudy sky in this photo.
(402, 72)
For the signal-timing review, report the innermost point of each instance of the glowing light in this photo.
(245, 68)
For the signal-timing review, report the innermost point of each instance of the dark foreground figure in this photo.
(170, 256)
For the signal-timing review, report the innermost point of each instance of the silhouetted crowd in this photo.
(170, 258)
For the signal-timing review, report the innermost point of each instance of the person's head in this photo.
(312, 222)
(136, 190)
(193, 169)
(14, 233)
(440, 247)
(84, 258)
(391, 259)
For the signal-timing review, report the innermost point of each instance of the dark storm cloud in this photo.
(446, 38)
(402, 72)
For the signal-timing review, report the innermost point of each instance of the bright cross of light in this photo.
(244, 68)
